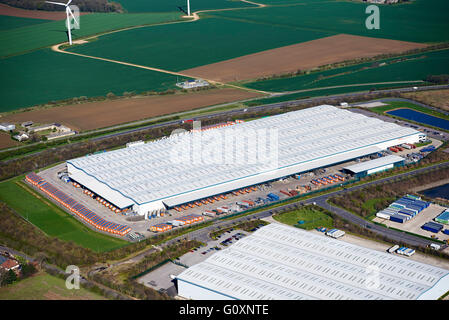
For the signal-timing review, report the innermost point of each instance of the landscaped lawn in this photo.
(403, 104)
(45, 287)
(312, 218)
(52, 220)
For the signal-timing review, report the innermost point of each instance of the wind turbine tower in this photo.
(69, 13)
(188, 8)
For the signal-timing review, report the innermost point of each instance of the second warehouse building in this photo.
(144, 177)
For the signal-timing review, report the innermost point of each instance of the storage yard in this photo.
(118, 205)
(282, 262)
(414, 222)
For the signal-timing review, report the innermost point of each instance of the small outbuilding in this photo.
(6, 126)
(372, 166)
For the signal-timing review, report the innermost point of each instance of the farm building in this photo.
(372, 166)
(283, 262)
(5, 126)
(166, 173)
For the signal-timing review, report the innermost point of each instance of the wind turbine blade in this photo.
(68, 2)
(61, 4)
(71, 13)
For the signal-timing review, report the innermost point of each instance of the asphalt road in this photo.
(395, 236)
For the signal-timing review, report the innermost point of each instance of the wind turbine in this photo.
(68, 13)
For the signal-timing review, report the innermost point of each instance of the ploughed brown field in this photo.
(301, 56)
(89, 116)
(6, 10)
(6, 141)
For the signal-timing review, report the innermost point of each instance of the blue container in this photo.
(273, 196)
(398, 218)
(407, 212)
(432, 227)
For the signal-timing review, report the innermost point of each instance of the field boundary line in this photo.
(196, 17)
(344, 86)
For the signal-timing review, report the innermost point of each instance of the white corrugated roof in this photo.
(307, 139)
(311, 266)
(373, 164)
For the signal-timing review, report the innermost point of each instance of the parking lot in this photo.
(200, 254)
(161, 278)
(414, 225)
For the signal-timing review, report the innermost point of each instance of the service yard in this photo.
(414, 224)
(51, 175)
(383, 247)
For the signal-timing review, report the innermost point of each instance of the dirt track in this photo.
(96, 115)
(299, 56)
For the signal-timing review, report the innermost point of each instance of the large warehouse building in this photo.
(286, 263)
(145, 178)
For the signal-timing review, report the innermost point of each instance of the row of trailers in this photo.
(78, 209)
(403, 209)
(402, 147)
(401, 250)
(177, 222)
(102, 201)
(328, 180)
(213, 199)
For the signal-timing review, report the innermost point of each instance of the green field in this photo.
(187, 45)
(312, 218)
(45, 287)
(173, 5)
(323, 92)
(51, 219)
(41, 35)
(403, 104)
(414, 67)
(225, 35)
(52, 76)
(419, 21)
(8, 23)
(217, 36)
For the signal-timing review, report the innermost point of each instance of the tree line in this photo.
(84, 5)
(125, 280)
(354, 200)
